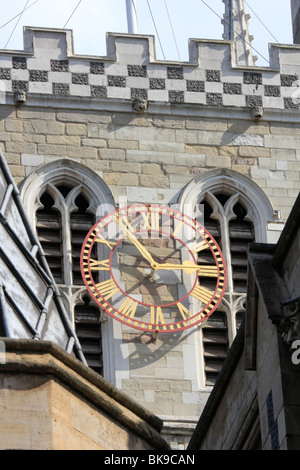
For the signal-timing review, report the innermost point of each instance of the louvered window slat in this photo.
(49, 231)
(88, 330)
(77, 224)
(80, 223)
(240, 234)
(215, 345)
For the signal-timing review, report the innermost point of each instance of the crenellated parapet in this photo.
(48, 66)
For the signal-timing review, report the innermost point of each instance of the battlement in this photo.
(49, 66)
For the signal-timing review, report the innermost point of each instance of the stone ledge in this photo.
(46, 359)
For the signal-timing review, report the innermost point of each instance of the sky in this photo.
(270, 22)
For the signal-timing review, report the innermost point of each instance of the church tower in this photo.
(236, 30)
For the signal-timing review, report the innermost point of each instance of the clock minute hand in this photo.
(138, 245)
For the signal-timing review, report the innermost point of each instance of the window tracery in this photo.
(236, 213)
(66, 205)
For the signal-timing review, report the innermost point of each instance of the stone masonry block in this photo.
(121, 179)
(123, 144)
(5, 74)
(97, 68)
(76, 129)
(112, 154)
(219, 161)
(80, 78)
(195, 86)
(38, 75)
(20, 74)
(61, 89)
(63, 139)
(213, 76)
(137, 70)
(19, 62)
(98, 91)
(157, 84)
(232, 88)
(81, 152)
(175, 73)
(125, 167)
(116, 81)
(151, 157)
(154, 181)
(52, 149)
(176, 96)
(98, 143)
(84, 117)
(20, 147)
(59, 65)
(272, 90)
(80, 90)
(36, 113)
(214, 99)
(13, 125)
(32, 160)
(151, 169)
(253, 101)
(19, 85)
(252, 78)
(43, 127)
(40, 87)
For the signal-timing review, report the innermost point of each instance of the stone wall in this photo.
(50, 401)
(152, 157)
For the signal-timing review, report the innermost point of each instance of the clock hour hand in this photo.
(138, 245)
(189, 267)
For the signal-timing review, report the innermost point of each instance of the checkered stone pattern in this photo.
(155, 82)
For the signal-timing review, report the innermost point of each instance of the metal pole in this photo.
(230, 21)
(131, 17)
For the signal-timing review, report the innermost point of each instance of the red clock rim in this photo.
(169, 325)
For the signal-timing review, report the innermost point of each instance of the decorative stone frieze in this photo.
(207, 78)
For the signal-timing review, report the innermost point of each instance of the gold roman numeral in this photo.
(184, 311)
(108, 243)
(203, 245)
(96, 265)
(208, 271)
(202, 294)
(107, 288)
(128, 308)
(156, 316)
(178, 228)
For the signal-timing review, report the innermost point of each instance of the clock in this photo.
(153, 268)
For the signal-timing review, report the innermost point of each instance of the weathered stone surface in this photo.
(38, 75)
(47, 415)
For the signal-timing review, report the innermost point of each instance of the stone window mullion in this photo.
(67, 246)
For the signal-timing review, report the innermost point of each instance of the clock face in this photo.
(153, 268)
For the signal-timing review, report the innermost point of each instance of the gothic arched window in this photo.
(68, 200)
(236, 212)
(226, 219)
